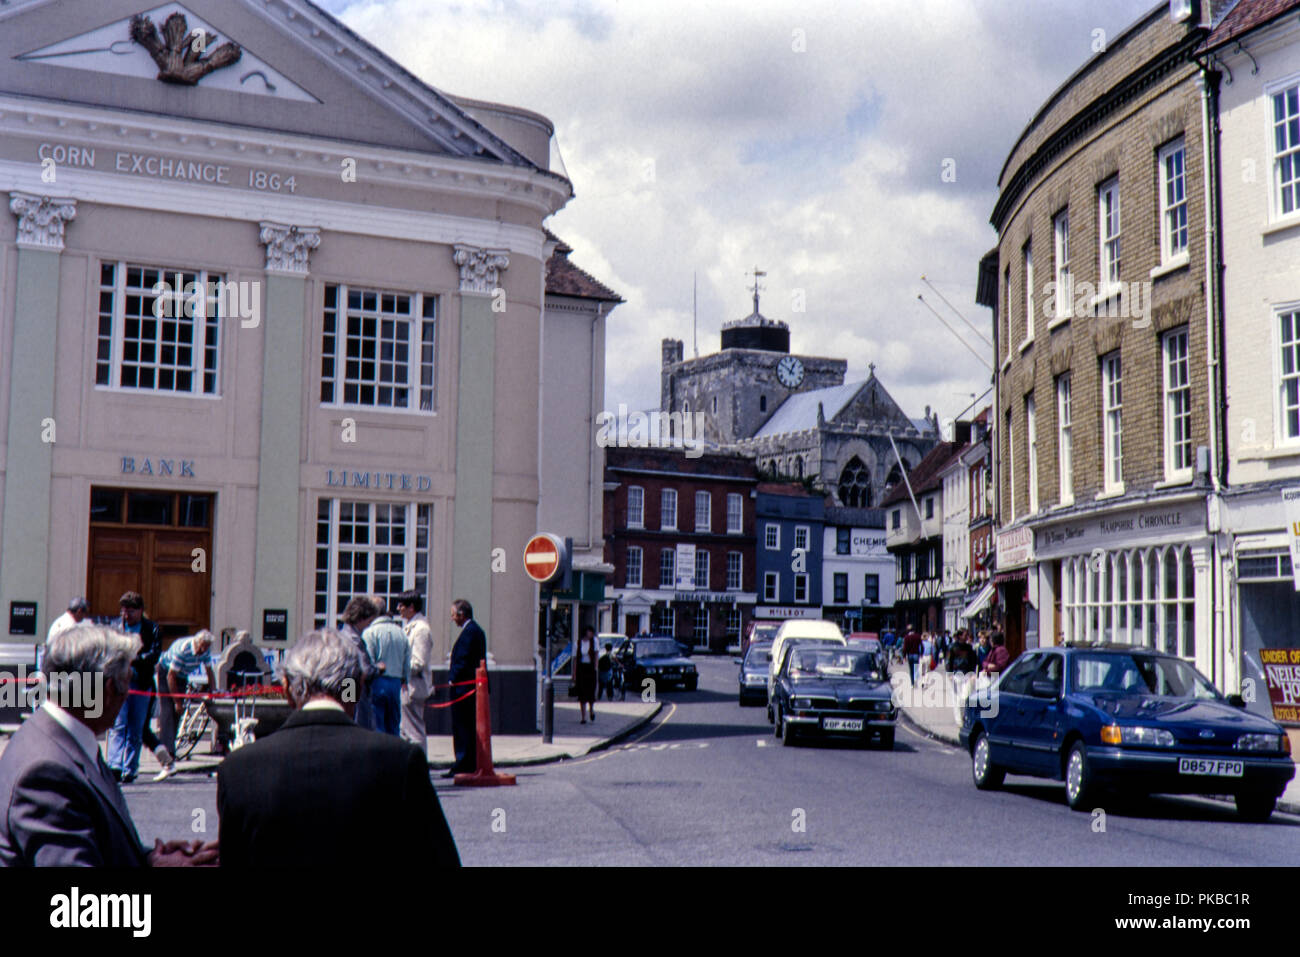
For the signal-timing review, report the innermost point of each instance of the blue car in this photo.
(1123, 717)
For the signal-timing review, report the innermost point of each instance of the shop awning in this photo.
(979, 602)
(1016, 575)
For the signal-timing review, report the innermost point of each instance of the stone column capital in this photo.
(41, 219)
(288, 248)
(480, 269)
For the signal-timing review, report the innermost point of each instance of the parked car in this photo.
(1118, 717)
(824, 689)
(754, 667)
(792, 629)
(662, 660)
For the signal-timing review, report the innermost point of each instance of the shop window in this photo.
(369, 548)
(377, 349)
(1138, 596)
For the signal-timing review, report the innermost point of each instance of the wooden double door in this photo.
(157, 543)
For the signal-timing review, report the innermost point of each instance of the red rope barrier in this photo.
(448, 704)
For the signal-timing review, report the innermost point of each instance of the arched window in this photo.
(855, 485)
(798, 466)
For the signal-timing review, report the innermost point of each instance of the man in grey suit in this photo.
(59, 804)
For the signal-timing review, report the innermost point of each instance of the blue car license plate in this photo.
(1214, 767)
(841, 724)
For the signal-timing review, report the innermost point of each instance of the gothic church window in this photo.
(855, 485)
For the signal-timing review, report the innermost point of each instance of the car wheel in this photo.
(987, 774)
(1079, 784)
(887, 739)
(788, 735)
(693, 684)
(778, 725)
(1255, 807)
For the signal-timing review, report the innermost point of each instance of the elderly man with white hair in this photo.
(172, 678)
(321, 788)
(59, 805)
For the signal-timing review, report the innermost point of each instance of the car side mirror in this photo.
(1042, 688)
(1236, 700)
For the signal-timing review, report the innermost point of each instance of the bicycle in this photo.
(193, 721)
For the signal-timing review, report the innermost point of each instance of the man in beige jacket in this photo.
(410, 605)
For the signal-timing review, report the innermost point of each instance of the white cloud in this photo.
(821, 167)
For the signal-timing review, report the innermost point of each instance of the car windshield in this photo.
(658, 647)
(756, 657)
(1142, 675)
(833, 663)
(765, 632)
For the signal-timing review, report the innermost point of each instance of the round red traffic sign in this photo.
(542, 558)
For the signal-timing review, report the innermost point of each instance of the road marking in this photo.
(672, 710)
(762, 742)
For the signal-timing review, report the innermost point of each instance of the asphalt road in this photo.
(707, 783)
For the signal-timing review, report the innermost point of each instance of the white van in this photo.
(797, 628)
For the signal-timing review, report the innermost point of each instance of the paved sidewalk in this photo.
(925, 711)
(571, 739)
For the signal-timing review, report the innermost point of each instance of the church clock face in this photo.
(789, 372)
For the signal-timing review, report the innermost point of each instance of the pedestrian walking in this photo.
(626, 666)
(912, 652)
(357, 617)
(605, 672)
(410, 606)
(998, 658)
(391, 652)
(584, 674)
(469, 651)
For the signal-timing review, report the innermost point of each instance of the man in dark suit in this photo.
(132, 724)
(466, 655)
(59, 805)
(320, 788)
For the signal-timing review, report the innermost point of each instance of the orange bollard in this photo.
(484, 777)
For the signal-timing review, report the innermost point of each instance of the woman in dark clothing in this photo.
(584, 674)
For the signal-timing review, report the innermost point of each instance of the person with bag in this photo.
(584, 674)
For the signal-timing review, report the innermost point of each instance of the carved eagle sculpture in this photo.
(178, 52)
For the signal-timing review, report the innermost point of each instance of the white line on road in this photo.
(762, 742)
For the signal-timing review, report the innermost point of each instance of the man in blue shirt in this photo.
(390, 650)
(172, 676)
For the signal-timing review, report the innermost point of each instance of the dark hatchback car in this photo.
(662, 660)
(830, 690)
(1119, 717)
(754, 669)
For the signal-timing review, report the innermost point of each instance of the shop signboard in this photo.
(1282, 677)
(1291, 509)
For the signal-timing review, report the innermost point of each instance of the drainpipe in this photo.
(1208, 81)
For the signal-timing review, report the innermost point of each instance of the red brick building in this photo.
(679, 532)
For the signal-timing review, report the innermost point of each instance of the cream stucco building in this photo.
(271, 317)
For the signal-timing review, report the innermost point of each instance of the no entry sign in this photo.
(543, 558)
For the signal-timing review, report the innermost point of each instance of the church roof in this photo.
(799, 411)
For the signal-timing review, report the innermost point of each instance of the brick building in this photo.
(679, 533)
(1103, 406)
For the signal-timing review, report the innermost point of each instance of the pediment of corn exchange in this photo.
(276, 65)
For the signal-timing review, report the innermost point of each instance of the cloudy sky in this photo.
(807, 138)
